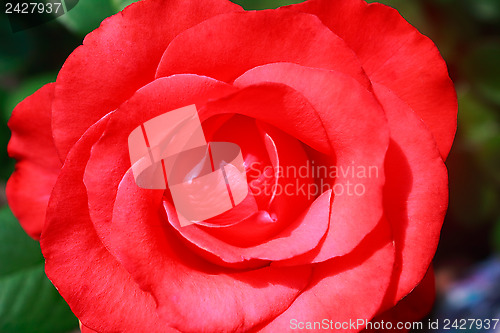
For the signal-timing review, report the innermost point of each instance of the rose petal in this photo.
(244, 132)
(38, 165)
(288, 158)
(80, 266)
(416, 191)
(110, 160)
(357, 132)
(395, 54)
(288, 200)
(192, 294)
(301, 236)
(117, 59)
(226, 46)
(413, 307)
(344, 288)
(85, 329)
(272, 103)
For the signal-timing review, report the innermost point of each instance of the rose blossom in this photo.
(335, 83)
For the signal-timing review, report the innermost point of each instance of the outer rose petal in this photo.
(85, 329)
(345, 288)
(395, 54)
(97, 288)
(192, 294)
(415, 194)
(117, 59)
(414, 306)
(38, 165)
(226, 46)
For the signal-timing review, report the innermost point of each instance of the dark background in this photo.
(467, 32)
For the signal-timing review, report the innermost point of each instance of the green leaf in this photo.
(87, 15)
(28, 300)
(17, 250)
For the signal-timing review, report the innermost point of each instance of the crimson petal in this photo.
(38, 165)
(345, 288)
(96, 277)
(226, 46)
(118, 58)
(192, 294)
(415, 194)
(358, 136)
(393, 53)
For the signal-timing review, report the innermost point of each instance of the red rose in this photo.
(344, 114)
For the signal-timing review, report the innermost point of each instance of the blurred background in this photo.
(467, 263)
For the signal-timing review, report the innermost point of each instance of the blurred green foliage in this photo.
(28, 300)
(467, 32)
